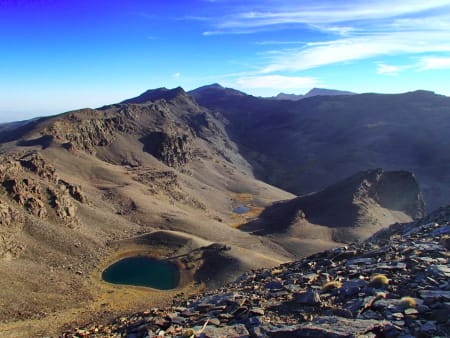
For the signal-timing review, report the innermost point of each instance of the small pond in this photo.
(242, 209)
(143, 271)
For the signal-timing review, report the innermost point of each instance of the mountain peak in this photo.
(215, 88)
(157, 94)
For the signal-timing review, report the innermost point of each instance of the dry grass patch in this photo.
(407, 302)
(331, 285)
(241, 219)
(379, 281)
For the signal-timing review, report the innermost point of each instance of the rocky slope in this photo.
(396, 284)
(79, 190)
(303, 146)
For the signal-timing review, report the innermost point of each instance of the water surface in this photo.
(242, 209)
(143, 271)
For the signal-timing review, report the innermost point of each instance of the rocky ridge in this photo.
(168, 123)
(396, 284)
(31, 187)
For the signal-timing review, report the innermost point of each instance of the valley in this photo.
(215, 180)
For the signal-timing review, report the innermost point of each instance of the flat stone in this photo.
(329, 327)
(307, 298)
(392, 266)
(178, 320)
(274, 285)
(435, 294)
(352, 287)
(278, 294)
(357, 261)
(440, 270)
(441, 231)
(411, 312)
(257, 311)
(238, 330)
(204, 307)
(214, 321)
(428, 328)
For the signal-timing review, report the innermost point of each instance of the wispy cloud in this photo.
(176, 75)
(351, 31)
(330, 14)
(355, 48)
(432, 62)
(424, 63)
(388, 69)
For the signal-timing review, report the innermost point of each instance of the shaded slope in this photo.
(369, 199)
(303, 146)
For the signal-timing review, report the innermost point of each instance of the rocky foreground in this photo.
(396, 284)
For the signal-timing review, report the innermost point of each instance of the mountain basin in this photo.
(143, 271)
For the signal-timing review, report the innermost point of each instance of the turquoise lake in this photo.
(143, 271)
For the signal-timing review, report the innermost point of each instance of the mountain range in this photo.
(303, 146)
(311, 93)
(229, 181)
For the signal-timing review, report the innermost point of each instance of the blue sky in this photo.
(62, 55)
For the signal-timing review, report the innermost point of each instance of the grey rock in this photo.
(307, 298)
(238, 330)
(329, 327)
(352, 287)
(428, 328)
(435, 294)
(440, 270)
(274, 285)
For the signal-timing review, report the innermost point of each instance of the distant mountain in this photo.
(13, 130)
(311, 93)
(327, 92)
(214, 89)
(303, 146)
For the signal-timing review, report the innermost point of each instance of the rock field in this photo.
(395, 284)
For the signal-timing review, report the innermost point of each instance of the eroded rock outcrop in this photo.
(165, 182)
(33, 184)
(87, 129)
(173, 150)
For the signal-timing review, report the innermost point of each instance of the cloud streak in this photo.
(326, 13)
(356, 48)
(345, 32)
(433, 63)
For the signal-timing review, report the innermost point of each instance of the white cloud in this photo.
(363, 29)
(269, 14)
(356, 48)
(176, 75)
(433, 62)
(388, 69)
(278, 82)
